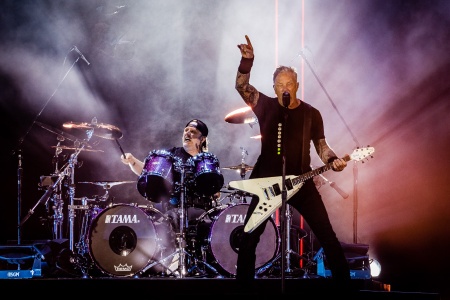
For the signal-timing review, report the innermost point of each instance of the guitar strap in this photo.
(307, 121)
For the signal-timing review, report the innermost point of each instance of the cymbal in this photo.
(106, 131)
(107, 184)
(242, 115)
(57, 131)
(74, 148)
(239, 167)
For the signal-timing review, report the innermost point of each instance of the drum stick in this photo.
(117, 141)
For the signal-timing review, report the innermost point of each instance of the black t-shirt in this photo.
(275, 134)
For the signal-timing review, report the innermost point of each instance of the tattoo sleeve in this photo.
(248, 92)
(324, 151)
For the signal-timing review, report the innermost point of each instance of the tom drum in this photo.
(157, 177)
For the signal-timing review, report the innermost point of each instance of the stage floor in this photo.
(212, 288)
(42, 268)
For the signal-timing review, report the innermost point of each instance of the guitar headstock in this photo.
(362, 153)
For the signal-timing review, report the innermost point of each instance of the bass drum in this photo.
(221, 229)
(124, 239)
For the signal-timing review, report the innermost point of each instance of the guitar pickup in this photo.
(288, 183)
(276, 189)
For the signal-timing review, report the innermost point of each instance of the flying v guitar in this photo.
(269, 189)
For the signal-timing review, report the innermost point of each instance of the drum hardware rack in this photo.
(181, 238)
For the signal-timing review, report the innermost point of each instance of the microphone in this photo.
(286, 99)
(81, 55)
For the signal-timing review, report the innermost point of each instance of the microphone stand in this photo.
(20, 157)
(283, 201)
(355, 168)
(333, 185)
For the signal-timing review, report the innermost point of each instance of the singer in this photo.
(304, 124)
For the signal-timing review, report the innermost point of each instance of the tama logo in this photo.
(121, 219)
(235, 218)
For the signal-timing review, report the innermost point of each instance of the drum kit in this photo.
(195, 234)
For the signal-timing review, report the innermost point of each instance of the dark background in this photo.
(377, 70)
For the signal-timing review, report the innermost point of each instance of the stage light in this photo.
(375, 268)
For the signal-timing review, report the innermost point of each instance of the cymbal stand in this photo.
(71, 208)
(243, 153)
(73, 161)
(181, 236)
(58, 203)
(289, 251)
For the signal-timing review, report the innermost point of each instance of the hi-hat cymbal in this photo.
(239, 167)
(242, 115)
(105, 131)
(107, 184)
(74, 148)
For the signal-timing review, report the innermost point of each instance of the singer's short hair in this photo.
(281, 69)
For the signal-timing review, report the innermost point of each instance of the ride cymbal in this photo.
(106, 131)
(242, 115)
(74, 148)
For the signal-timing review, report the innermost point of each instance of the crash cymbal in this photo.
(74, 148)
(57, 131)
(107, 184)
(242, 115)
(105, 131)
(239, 167)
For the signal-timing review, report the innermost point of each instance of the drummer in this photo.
(195, 141)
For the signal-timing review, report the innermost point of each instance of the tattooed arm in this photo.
(327, 155)
(248, 92)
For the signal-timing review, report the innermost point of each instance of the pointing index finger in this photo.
(248, 41)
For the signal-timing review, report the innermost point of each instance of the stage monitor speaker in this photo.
(21, 261)
(31, 258)
(357, 258)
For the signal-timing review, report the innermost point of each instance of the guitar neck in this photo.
(308, 175)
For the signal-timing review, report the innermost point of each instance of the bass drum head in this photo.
(226, 232)
(122, 240)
